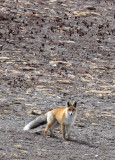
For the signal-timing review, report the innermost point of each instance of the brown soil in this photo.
(51, 52)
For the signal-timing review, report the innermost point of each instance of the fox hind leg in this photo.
(50, 123)
(55, 124)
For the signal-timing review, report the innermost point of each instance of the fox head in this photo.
(71, 108)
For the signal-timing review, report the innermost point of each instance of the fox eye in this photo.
(72, 110)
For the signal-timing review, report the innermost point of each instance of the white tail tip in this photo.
(26, 128)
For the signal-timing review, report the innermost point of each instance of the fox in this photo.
(63, 116)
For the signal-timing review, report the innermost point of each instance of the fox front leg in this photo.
(68, 132)
(63, 131)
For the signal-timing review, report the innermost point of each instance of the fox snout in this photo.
(71, 113)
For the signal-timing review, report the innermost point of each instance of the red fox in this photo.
(64, 116)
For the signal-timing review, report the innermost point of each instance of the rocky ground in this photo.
(50, 52)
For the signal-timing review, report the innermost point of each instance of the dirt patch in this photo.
(51, 52)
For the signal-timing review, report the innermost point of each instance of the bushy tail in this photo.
(36, 122)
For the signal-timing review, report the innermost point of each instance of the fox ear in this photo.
(75, 104)
(68, 104)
